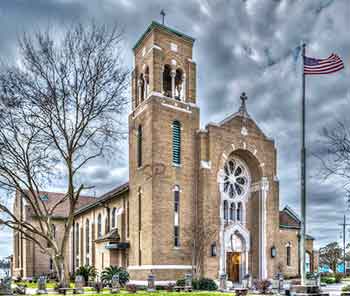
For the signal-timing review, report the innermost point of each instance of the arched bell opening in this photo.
(141, 88)
(146, 82)
(167, 90)
(179, 87)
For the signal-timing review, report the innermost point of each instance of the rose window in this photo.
(235, 179)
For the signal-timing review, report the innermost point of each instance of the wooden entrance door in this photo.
(233, 261)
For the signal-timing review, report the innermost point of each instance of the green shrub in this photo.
(203, 284)
(108, 273)
(206, 284)
(180, 283)
(311, 275)
(327, 280)
(338, 277)
(86, 272)
(346, 288)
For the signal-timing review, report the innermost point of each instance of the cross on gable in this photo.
(244, 98)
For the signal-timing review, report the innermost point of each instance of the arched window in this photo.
(141, 87)
(178, 84)
(176, 216)
(288, 253)
(77, 230)
(167, 81)
(176, 142)
(139, 146)
(239, 211)
(140, 224)
(146, 82)
(213, 249)
(99, 225)
(114, 218)
(226, 210)
(232, 212)
(87, 240)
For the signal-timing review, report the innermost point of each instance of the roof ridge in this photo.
(155, 24)
(118, 190)
(291, 212)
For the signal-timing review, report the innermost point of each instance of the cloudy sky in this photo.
(240, 46)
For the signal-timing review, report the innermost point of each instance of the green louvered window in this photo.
(176, 142)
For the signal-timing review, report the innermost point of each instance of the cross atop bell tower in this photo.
(162, 13)
(163, 65)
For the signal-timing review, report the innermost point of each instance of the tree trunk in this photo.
(62, 271)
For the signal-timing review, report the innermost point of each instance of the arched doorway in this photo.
(243, 187)
(235, 181)
(236, 259)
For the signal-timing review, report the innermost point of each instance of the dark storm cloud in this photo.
(240, 46)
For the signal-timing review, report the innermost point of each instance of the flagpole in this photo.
(303, 180)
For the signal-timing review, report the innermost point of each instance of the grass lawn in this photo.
(158, 293)
(33, 285)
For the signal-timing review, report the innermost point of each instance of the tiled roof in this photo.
(105, 197)
(288, 219)
(155, 24)
(50, 199)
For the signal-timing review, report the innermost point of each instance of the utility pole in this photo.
(344, 241)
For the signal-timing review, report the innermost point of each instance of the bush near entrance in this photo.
(203, 284)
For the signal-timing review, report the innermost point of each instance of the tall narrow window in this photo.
(226, 210)
(239, 212)
(140, 224)
(176, 216)
(141, 86)
(288, 251)
(77, 244)
(87, 241)
(176, 142)
(167, 87)
(114, 224)
(139, 146)
(99, 225)
(127, 218)
(232, 212)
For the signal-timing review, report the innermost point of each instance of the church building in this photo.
(199, 199)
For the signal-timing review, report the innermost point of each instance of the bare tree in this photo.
(62, 106)
(335, 157)
(331, 255)
(204, 234)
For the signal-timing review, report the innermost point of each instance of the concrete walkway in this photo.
(334, 289)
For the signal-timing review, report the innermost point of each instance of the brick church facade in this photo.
(203, 199)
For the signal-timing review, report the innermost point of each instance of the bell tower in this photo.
(163, 156)
(163, 66)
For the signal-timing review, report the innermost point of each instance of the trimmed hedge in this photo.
(203, 284)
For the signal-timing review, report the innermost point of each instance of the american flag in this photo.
(322, 66)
